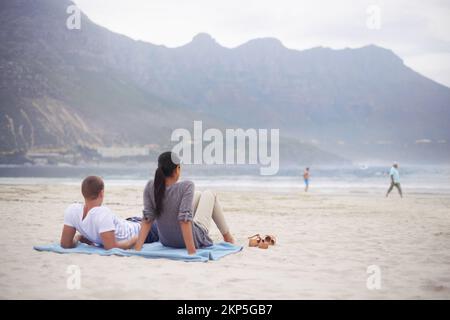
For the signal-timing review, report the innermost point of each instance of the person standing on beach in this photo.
(395, 180)
(306, 179)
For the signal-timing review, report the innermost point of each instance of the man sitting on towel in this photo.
(97, 224)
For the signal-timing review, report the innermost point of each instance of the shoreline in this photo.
(320, 185)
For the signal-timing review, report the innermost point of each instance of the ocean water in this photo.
(424, 179)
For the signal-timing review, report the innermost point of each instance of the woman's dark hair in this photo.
(167, 163)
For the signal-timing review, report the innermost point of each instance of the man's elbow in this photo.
(110, 246)
(66, 245)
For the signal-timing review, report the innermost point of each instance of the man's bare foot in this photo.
(228, 238)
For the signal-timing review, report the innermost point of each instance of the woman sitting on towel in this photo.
(183, 216)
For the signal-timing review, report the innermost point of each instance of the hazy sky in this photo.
(416, 30)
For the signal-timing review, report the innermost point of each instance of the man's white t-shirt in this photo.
(99, 220)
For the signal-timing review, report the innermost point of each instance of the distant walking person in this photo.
(395, 180)
(306, 179)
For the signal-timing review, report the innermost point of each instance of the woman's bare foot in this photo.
(227, 237)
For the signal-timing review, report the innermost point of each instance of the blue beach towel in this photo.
(151, 250)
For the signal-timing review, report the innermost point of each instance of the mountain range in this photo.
(61, 88)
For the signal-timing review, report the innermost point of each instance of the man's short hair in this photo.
(91, 187)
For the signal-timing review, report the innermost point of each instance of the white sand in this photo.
(326, 242)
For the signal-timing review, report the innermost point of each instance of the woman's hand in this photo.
(143, 233)
(68, 239)
(109, 241)
(186, 230)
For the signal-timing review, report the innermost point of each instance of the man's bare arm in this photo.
(68, 239)
(109, 241)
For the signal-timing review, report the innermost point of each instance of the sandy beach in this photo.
(326, 242)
